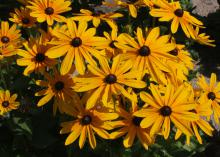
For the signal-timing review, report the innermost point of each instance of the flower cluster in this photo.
(112, 82)
(7, 102)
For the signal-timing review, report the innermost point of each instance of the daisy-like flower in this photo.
(97, 16)
(177, 74)
(49, 10)
(112, 39)
(78, 44)
(130, 126)
(7, 102)
(211, 92)
(159, 111)
(33, 58)
(9, 35)
(147, 52)
(180, 67)
(183, 56)
(22, 17)
(85, 124)
(203, 110)
(59, 87)
(7, 51)
(203, 38)
(172, 11)
(107, 81)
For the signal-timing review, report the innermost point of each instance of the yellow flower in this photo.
(180, 67)
(130, 126)
(183, 56)
(58, 86)
(112, 39)
(203, 109)
(22, 17)
(173, 12)
(86, 123)
(177, 75)
(147, 52)
(107, 81)
(97, 16)
(7, 102)
(9, 35)
(76, 43)
(49, 10)
(34, 57)
(7, 51)
(203, 38)
(159, 111)
(211, 92)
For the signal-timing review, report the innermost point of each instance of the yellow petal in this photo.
(132, 10)
(156, 126)
(101, 132)
(67, 62)
(94, 97)
(118, 133)
(174, 25)
(149, 120)
(152, 36)
(75, 134)
(140, 36)
(79, 62)
(96, 21)
(195, 129)
(106, 94)
(91, 136)
(129, 138)
(166, 127)
(57, 51)
(149, 100)
(212, 81)
(72, 28)
(82, 138)
(181, 126)
(45, 99)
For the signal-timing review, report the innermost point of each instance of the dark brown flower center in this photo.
(59, 85)
(174, 52)
(211, 96)
(110, 79)
(25, 20)
(40, 57)
(5, 39)
(165, 111)
(76, 42)
(137, 121)
(112, 45)
(5, 104)
(86, 120)
(179, 12)
(193, 111)
(144, 51)
(49, 11)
